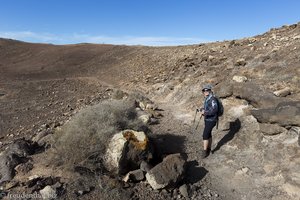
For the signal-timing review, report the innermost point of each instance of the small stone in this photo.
(239, 79)
(184, 191)
(33, 177)
(145, 118)
(240, 62)
(164, 191)
(11, 184)
(126, 185)
(144, 166)
(48, 193)
(135, 176)
(282, 93)
(24, 168)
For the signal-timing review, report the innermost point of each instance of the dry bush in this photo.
(118, 94)
(83, 140)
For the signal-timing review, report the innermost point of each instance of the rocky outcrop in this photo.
(284, 114)
(167, 173)
(15, 154)
(271, 129)
(255, 95)
(126, 151)
(224, 89)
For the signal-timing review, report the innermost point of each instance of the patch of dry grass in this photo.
(83, 140)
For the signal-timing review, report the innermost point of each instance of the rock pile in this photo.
(15, 154)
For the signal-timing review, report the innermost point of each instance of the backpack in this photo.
(220, 106)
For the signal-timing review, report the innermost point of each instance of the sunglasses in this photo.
(206, 90)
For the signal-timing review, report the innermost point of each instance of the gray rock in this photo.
(135, 176)
(11, 157)
(41, 134)
(224, 89)
(271, 129)
(20, 147)
(145, 118)
(46, 141)
(7, 165)
(284, 114)
(282, 93)
(24, 168)
(255, 95)
(184, 191)
(48, 193)
(126, 151)
(167, 173)
(240, 62)
(295, 131)
(239, 79)
(144, 166)
(10, 185)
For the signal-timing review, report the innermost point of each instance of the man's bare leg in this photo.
(205, 144)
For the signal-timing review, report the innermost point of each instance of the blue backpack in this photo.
(220, 106)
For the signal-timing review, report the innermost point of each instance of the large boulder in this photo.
(126, 150)
(255, 95)
(7, 164)
(271, 129)
(167, 173)
(11, 157)
(284, 114)
(224, 89)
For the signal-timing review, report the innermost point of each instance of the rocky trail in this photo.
(228, 172)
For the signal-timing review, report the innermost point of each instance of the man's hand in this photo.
(200, 110)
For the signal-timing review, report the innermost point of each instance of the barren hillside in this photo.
(256, 154)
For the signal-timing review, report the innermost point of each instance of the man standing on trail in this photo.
(210, 113)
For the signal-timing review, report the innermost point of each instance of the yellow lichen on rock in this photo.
(138, 139)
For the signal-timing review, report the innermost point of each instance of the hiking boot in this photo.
(204, 153)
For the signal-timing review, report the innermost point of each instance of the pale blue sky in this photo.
(146, 22)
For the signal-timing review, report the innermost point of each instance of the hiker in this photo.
(210, 113)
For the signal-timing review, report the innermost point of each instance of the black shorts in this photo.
(209, 125)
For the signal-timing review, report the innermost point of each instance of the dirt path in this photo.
(177, 122)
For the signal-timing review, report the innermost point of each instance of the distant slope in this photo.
(273, 56)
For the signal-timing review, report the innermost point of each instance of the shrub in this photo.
(83, 140)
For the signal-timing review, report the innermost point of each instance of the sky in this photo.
(142, 22)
